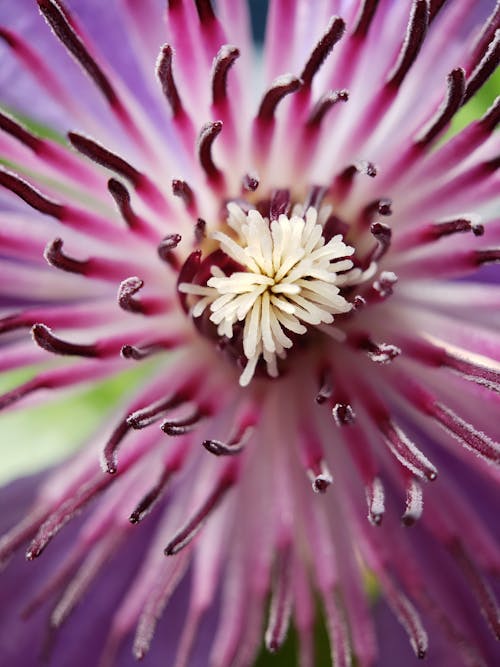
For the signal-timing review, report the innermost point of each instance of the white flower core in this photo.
(290, 280)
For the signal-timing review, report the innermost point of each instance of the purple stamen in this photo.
(343, 414)
(484, 69)
(453, 102)
(280, 204)
(186, 534)
(224, 60)
(322, 50)
(364, 19)
(282, 86)
(209, 132)
(326, 102)
(414, 504)
(147, 503)
(415, 35)
(281, 602)
(183, 425)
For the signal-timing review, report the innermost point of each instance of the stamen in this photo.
(452, 103)
(186, 275)
(166, 247)
(145, 351)
(323, 105)
(55, 257)
(205, 11)
(484, 69)
(58, 21)
(61, 23)
(109, 457)
(370, 211)
(147, 503)
(43, 337)
(414, 504)
(183, 190)
(136, 223)
(375, 497)
(237, 442)
(164, 72)
(106, 158)
(343, 414)
(30, 195)
(281, 602)
(49, 152)
(380, 353)
(482, 591)
(185, 424)
(323, 48)
(406, 452)
(415, 35)
(152, 413)
(280, 204)
(94, 267)
(384, 284)
(226, 480)
(65, 512)
(224, 60)
(209, 132)
(364, 19)
(250, 182)
(408, 617)
(126, 292)
(282, 86)
(200, 230)
(326, 386)
(383, 235)
(344, 181)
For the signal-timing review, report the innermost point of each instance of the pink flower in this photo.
(303, 267)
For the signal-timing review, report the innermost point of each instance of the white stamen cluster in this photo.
(290, 280)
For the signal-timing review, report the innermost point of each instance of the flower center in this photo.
(290, 280)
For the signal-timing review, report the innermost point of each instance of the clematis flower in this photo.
(302, 260)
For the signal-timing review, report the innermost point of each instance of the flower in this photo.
(305, 274)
